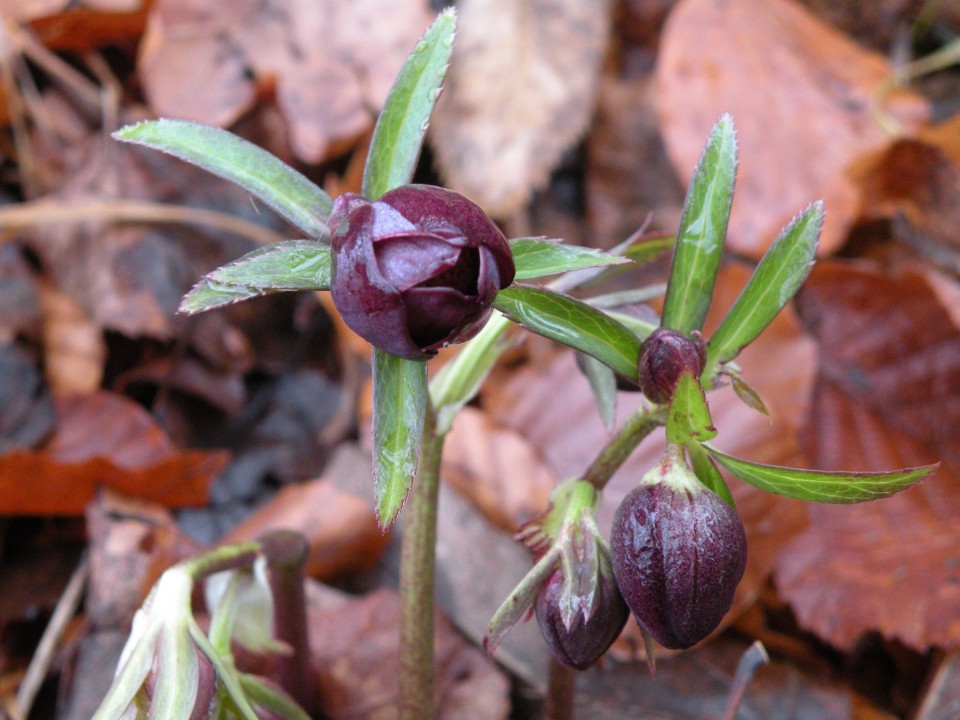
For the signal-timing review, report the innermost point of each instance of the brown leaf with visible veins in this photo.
(103, 440)
(887, 395)
(330, 64)
(801, 94)
(519, 91)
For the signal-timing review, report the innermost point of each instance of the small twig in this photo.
(43, 657)
(751, 661)
(46, 212)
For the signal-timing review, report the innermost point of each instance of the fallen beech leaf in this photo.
(103, 440)
(519, 92)
(801, 94)
(916, 182)
(89, 25)
(330, 63)
(887, 395)
(356, 665)
(131, 543)
(341, 529)
(497, 469)
(567, 429)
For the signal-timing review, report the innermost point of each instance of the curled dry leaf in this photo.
(497, 469)
(802, 95)
(566, 427)
(356, 665)
(519, 92)
(103, 440)
(74, 348)
(330, 64)
(341, 529)
(887, 395)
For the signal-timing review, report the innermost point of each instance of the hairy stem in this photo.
(417, 560)
(623, 442)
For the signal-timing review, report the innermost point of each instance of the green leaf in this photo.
(398, 135)
(286, 265)
(536, 257)
(747, 394)
(707, 472)
(224, 154)
(650, 249)
(688, 418)
(282, 266)
(603, 385)
(573, 323)
(399, 407)
(775, 280)
(820, 486)
(703, 227)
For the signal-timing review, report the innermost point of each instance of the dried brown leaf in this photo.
(329, 64)
(341, 529)
(802, 95)
(887, 395)
(356, 664)
(74, 348)
(519, 92)
(103, 440)
(497, 469)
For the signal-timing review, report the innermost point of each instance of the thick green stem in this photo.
(623, 442)
(417, 560)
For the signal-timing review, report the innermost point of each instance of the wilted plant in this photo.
(415, 268)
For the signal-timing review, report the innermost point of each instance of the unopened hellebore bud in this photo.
(417, 269)
(663, 358)
(584, 642)
(678, 553)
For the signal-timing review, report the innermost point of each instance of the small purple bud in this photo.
(678, 553)
(663, 358)
(584, 642)
(417, 269)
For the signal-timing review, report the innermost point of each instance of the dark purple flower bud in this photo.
(678, 553)
(584, 642)
(417, 269)
(663, 358)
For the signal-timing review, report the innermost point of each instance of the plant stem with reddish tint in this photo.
(417, 561)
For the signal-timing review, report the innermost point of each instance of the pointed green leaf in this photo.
(282, 266)
(398, 135)
(649, 249)
(399, 407)
(820, 486)
(224, 154)
(536, 257)
(688, 418)
(703, 228)
(775, 280)
(747, 394)
(572, 323)
(707, 472)
(286, 265)
(603, 385)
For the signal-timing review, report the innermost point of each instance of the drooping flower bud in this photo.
(582, 643)
(678, 553)
(417, 269)
(663, 358)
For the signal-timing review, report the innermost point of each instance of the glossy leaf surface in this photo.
(536, 257)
